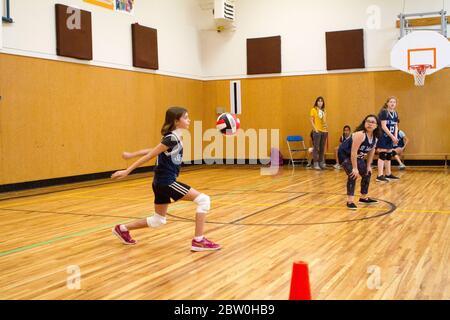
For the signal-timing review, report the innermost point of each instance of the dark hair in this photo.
(317, 100)
(346, 127)
(172, 114)
(362, 127)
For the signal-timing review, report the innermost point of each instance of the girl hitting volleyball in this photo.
(351, 156)
(389, 124)
(165, 184)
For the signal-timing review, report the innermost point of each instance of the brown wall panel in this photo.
(264, 55)
(145, 47)
(73, 32)
(345, 49)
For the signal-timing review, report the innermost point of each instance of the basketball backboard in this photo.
(421, 48)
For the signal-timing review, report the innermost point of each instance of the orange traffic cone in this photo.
(300, 288)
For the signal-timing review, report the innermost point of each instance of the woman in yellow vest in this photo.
(320, 132)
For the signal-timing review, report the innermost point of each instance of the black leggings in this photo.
(351, 182)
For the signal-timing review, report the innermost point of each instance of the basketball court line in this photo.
(108, 198)
(72, 235)
(389, 211)
(69, 189)
(10, 205)
(330, 207)
(132, 177)
(71, 213)
(182, 219)
(58, 191)
(126, 185)
(108, 188)
(53, 240)
(74, 195)
(234, 191)
(265, 209)
(127, 181)
(181, 204)
(80, 233)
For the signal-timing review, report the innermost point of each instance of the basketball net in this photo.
(420, 71)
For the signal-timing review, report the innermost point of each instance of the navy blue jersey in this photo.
(343, 138)
(345, 149)
(391, 119)
(169, 162)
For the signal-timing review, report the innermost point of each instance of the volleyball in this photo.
(228, 123)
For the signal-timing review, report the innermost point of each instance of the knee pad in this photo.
(156, 221)
(394, 153)
(389, 156)
(382, 155)
(203, 203)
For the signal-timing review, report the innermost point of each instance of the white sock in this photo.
(198, 238)
(123, 228)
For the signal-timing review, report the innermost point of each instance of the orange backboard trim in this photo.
(433, 66)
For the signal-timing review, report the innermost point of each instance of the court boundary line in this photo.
(182, 219)
(392, 209)
(132, 177)
(265, 209)
(189, 168)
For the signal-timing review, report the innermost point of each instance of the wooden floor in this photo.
(264, 224)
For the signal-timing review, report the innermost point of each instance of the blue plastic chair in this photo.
(296, 144)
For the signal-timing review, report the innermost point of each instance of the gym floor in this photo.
(264, 224)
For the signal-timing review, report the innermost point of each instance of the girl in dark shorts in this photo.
(351, 156)
(388, 138)
(165, 185)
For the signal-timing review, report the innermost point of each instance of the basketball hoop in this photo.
(421, 53)
(420, 71)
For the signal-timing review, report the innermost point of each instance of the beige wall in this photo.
(62, 119)
(285, 103)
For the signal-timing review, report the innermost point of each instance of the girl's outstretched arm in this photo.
(140, 153)
(150, 155)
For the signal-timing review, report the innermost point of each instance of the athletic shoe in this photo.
(392, 177)
(204, 245)
(337, 166)
(316, 167)
(368, 201)
(382, 179)
(125, 237)
(351, 206)
(402, 167)
(323, 166)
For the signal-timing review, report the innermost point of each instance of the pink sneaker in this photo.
(204, 245)
(125, 237)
